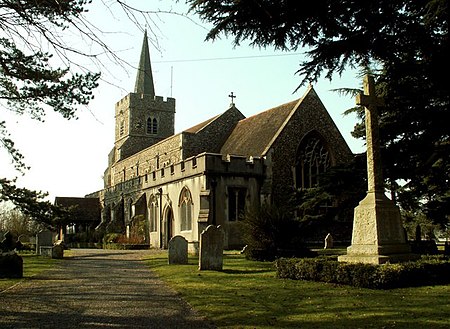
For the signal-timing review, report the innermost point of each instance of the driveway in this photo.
(97, 289)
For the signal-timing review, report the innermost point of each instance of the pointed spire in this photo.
(144, 79)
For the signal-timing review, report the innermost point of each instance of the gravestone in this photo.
(11, 264)
(24, 238)
(7, 243)
(211, 249)
(55, 251)
(178, 250)
(328, 242)
(378, 236)
(44, 238)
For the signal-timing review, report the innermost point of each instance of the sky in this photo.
(68, 157)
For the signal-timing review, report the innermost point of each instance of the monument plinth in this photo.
(378, 236)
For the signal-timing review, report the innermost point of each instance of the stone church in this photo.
(169, 184)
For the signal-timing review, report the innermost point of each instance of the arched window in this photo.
(155, 126)
(313, 158)
(185, 205)
(153, 213)
(152, 126)
(149, 126)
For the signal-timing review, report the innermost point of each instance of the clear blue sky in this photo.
(67, 158)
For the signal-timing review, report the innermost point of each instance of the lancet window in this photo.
(152, 126)
(236, 202)
(185, 204)
(153, 213)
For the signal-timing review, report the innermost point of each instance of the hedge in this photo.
(425, 271)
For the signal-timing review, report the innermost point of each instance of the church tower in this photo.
(142, 119)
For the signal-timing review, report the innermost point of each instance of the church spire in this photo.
(144, 79)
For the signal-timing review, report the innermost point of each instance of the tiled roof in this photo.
(253, 135)
(200, 126)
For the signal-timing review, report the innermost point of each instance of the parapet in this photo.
(205, 163)
(159, 102)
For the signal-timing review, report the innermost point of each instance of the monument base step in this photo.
(377, 259)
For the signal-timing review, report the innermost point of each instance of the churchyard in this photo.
(247, 294)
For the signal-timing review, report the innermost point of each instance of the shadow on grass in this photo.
(248, 271)
(246, 295)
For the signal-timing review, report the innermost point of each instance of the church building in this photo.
(160, 184)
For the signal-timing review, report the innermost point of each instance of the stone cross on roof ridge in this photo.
(232, 96)
(371, 103)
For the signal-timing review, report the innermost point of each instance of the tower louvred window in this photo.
(155, 126)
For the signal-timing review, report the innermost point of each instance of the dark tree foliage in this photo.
(404, 42)
(31, 203)
(30, 85)
(329, 207)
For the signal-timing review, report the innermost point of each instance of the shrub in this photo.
(111, 238)
(270, 232)
(426, 271)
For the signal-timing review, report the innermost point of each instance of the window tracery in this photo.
(313, 158)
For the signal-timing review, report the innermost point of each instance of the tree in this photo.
(31, 203)
(29, 84)
(329, 206)
(39, 73)
(17, 223)
(403, 42)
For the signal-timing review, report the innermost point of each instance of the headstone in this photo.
(418, 233)
(58, 250)
(11, 265)
(178, 250)
(378, 236)
(44, 238)
(211, 249)
(328, 242)
(46, 251)
(54, 251)
(8, 243)
(24, 238)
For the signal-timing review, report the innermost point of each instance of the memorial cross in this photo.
(371, 103)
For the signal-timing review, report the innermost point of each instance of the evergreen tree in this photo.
(30, 85)
(406, 44)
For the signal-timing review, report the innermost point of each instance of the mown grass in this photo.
(32, 265)
(246, 294)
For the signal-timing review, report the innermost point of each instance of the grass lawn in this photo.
(32, 265)
(246, 294)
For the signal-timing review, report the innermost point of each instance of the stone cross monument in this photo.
(378, 235)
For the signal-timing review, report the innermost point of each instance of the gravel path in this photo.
(97, 289)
